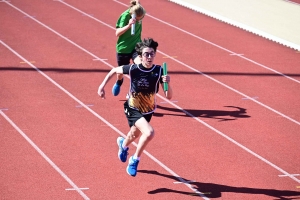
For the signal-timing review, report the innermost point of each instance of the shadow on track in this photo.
(212, 190)
(221, 115)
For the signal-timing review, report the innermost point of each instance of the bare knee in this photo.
(149, 134)
(133, 133)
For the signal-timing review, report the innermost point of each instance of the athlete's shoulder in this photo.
(126, 13)
(159, 67)
(123, 18)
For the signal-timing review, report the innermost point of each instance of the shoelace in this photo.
(134, 162)
(125, 152)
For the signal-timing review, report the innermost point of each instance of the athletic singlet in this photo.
(144, 84)
(126, 42)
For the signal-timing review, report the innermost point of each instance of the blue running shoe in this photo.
(122, 154)
(116, 89)
(132, 166)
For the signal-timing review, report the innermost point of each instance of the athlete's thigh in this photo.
(144, 126)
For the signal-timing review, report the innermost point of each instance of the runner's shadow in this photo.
(212, 190)
(221, 115)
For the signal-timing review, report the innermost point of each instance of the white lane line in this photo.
(187, 66)
(44, 156)
(176, 182)
(250, 98)
(80, 106)
(96, 59)
(174, 101)
(29, 16)
(78, 188)
(104, 120)
(289, 174)
(235, 54)
(197, 119)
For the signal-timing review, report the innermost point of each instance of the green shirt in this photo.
(126, 42)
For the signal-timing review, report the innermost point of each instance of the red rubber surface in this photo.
(233, 148)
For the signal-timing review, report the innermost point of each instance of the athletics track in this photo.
(231, 130)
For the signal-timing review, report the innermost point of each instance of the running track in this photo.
(230, 132)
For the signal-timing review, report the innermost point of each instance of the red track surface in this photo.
(230, 146)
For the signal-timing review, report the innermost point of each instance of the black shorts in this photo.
(134, 115)
(124, 58)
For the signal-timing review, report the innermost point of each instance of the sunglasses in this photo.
(147, 54)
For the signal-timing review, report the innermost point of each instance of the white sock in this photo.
(136, 158)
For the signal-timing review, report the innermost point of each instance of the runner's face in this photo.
(139, 18)
(148, 57)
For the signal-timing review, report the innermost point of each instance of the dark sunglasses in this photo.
(147, 54)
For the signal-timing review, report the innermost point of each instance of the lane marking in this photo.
(80, 106)
(193, 69)
(89, 15)
(44, 155)
(29, 16)
(22, 62)
(250, 98)
(193, 194)
(235, 54)
(284, 175)
(175, 101)
(78, 188)
(97, 59)
(178, 182)
(108, 126)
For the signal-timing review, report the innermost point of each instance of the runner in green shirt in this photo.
(126, 41)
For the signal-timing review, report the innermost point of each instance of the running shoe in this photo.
(116, 89)
(132, 166)
(122, 154)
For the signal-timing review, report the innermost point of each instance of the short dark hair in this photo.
(147, 42)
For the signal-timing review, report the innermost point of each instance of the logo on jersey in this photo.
(143, 83)
(154, 75)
